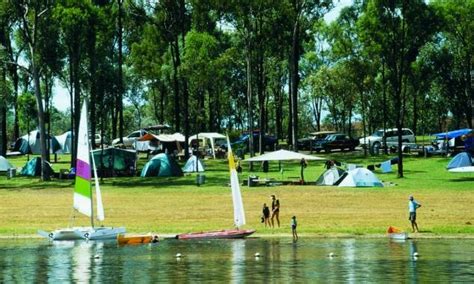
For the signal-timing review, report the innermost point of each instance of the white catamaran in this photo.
(83, 197)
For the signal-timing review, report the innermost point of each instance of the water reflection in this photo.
(281, 260)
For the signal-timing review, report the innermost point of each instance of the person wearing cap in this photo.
(412, 206)
(275, 211)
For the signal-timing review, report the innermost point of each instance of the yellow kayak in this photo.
(136, 239)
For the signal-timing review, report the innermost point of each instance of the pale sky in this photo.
(61, 96)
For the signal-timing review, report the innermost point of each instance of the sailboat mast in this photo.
(89, 153)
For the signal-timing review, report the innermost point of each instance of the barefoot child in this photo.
(294, 224)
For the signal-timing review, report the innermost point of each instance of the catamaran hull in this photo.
(104, 233)
(66, 235)
(223, 234)
(84, 233)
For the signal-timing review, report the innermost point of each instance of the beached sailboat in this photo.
(239, 214)
(83, 197)
(396, 233)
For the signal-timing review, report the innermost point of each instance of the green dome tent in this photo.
(115, 162)
(33, 168)
(161, 165)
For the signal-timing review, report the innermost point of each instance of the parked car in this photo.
(98, 138)
(391, 135)
(312, 139)
(242, 143)
(336, 141)
(131, 138)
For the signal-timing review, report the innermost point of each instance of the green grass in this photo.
(175, 205)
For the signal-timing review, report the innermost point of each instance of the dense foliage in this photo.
(202, 65)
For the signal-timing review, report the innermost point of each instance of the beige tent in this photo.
(283, 155)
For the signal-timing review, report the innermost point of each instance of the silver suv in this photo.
(391, 135)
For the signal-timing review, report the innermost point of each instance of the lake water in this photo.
(355, 260)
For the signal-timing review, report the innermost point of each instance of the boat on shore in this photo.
(83, 195)
(396, 233)
(239, 214)
(136, 239)
(222, 234)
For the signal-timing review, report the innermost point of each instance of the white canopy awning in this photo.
(283, 155)
(212, 136)
(208, 135)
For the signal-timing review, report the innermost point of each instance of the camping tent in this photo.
(359, 177)
(208, 140)
(4, 164)
(282, 155)
(65, 142)
(330, 176)
(31, 144)
(115, 162)
(161, 165)
(452, 134)
(33, 168)
(193, 165)
(169, 142)
(460, 160)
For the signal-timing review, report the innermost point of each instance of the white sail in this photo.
(239, 215)
(98, 194)
(82, 189)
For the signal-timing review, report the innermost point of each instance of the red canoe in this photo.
(223, 234)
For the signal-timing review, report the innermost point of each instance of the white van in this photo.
(391, 135)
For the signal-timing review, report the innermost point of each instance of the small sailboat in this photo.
(396, 233)
(239, 214)
(83, 197)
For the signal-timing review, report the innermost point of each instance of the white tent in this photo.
(4, 164)
(330, 176)
(282, 155)
(65, 142)
(30, 143)
(207, 139)
(192, 164)
(360, 177)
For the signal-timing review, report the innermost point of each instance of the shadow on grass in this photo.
(462, 179)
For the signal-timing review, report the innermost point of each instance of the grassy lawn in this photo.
(176, 205)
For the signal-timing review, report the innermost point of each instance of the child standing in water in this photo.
(294, 224)
(266, 215)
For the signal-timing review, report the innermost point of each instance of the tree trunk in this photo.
(249, 103)
(176, 61)
(41, 120)
(295, 83)
(3, 117)
(120, 73)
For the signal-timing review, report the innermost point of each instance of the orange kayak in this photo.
(136, 239)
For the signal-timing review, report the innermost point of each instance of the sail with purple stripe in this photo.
(82, 189)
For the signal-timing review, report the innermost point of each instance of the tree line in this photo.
(211, 65)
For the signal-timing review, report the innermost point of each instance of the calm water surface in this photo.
(355, 260)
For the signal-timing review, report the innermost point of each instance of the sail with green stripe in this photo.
(83, 189)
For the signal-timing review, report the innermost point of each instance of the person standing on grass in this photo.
(293, 228)
(412, 206)
(275, 211)
(266, 215)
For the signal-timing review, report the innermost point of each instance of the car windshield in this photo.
(330, 137)
(378, 133)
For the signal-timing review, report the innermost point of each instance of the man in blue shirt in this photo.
(412, 206)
